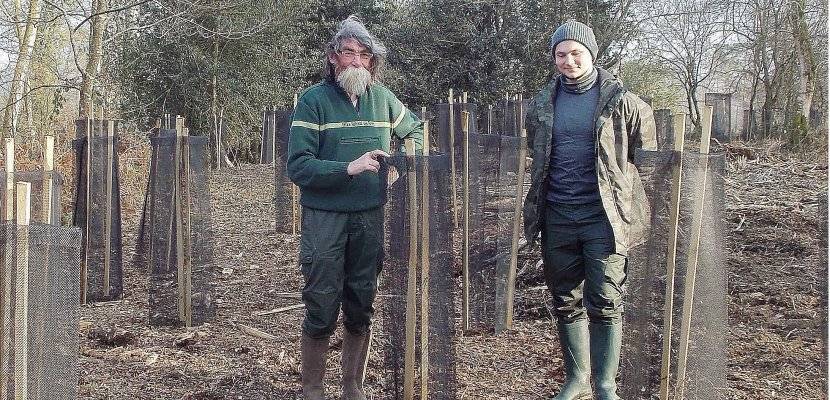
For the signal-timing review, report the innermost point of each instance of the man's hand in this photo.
(366, 162)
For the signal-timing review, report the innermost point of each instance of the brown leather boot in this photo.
(314, 367)
(353, 363)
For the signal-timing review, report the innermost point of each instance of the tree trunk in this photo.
(805, 57)
(96, 35)
(14, 103)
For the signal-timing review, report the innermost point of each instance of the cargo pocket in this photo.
(305, 264)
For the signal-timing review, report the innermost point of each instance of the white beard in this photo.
(354, 81)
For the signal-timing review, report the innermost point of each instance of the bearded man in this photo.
(587, 201)
(341, 130)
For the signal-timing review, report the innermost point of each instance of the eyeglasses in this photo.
(350, 55)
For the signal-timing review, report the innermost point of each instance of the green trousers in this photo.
(340, 257)
(582, 271)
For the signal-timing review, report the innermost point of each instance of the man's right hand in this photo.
(366, 162)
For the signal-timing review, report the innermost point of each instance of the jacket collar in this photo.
(609, 88)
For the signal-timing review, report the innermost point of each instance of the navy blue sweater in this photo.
(573, 175)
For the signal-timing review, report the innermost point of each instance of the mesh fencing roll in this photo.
(646, 285)
(441, 288)
(97, 209)
(40, 311)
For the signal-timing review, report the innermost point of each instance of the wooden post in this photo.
(21, 313)
(274, 135)
(182, 217)
(490, 119)
(517, 228)
(108, 165)
(188, 244)
(679, 121)
(453, 183)
(465, 255)
(520, 123)
(9, 206)
(48, 170)
(219, 125)
(88, 207)
(409, 354)
(296, 207)
(694, 247)
(8, 266)
(425, 211)
(177, 219)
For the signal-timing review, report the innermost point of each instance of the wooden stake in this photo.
(182, 217)
(186, 222)
(519, 113)
(7, 268)
(411, 277)
(453, 183)
(274, 138)
(464, 97)
(109, 162)
(88, 206)
(296, 208)
(21, 318)
(425, 265)
(517, 228)
(671, 256)
(465, 256)
(9, 206)
(694, 247)
(219, 139)
(490, 119)
(48, 169)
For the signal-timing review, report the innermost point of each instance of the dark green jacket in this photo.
(328, 132)
(623, 123)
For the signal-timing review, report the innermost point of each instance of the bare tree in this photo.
(22, 67)
(688, 37)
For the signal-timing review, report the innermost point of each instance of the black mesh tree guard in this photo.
(39, 312)
(483, 170)
(286, 194)
(644, 320)
(493, 165)
(175, 238)
(97, 209)
(508, 195)
(267, 137)
(441, 377)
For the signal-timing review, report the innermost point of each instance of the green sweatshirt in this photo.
(328, 132)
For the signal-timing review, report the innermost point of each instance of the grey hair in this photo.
(353, 28)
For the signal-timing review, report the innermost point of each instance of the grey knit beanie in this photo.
(573, 30)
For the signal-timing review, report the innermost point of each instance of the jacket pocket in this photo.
(351, 148)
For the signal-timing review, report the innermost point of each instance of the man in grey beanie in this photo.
(587, 201)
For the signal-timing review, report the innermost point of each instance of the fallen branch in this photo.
(291, 295)
(278, 310)
(255, 332)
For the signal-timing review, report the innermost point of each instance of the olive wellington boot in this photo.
(353, 364)
(606, 340)
(314, 367)
(574, 340)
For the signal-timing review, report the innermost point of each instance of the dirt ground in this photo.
(775, 219)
